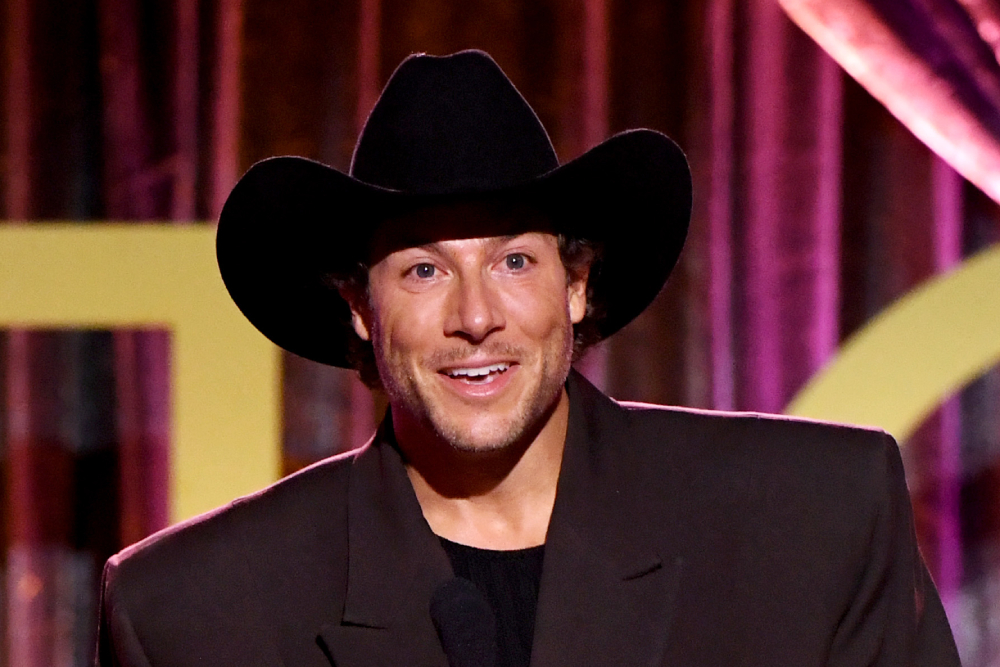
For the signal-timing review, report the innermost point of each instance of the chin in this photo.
(481, 438)
(492, 432)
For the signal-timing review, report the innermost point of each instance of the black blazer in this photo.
(678, 537)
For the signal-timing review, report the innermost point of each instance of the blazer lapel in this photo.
(607, 596)
(394, 565)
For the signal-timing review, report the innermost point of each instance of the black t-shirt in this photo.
(509, 580)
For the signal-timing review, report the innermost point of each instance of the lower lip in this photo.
(480, 389)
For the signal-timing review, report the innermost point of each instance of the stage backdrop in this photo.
(814, 210)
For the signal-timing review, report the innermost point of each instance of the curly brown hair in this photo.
(580, 257)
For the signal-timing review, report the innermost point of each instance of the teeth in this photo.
(482, 371)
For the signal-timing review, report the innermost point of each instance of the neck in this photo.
(498, 499)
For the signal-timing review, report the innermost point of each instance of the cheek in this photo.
(406, 322)
(539, 312)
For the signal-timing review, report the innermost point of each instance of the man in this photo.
(460, 268)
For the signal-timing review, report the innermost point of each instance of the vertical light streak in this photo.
(767, 104)
(594, 365)
(720, 254)
(185, 112)
(948, 224)
(226, 106)
(19, 116)
(18, 611)
(361, 420)
(369, 59)
(824, 333)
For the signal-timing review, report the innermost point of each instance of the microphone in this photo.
(465, 623)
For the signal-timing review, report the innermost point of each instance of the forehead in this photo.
(456, 221)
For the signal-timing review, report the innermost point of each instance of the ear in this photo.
(360, 328)
(360, 312)
(577, 299)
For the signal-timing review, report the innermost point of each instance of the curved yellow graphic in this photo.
(914, 354)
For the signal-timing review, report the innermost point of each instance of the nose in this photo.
(475, 310)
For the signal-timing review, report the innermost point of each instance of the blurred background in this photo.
(814, 209)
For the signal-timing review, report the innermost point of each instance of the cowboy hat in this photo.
(445, 129)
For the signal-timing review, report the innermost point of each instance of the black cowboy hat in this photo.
(445, 129)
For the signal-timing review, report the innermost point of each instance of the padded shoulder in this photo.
(220, 574)
(225, 522)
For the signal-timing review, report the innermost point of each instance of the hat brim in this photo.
(289, 221)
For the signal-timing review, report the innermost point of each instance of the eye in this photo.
(424, 270)
(515, 261)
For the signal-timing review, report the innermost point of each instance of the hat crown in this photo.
(451, 124)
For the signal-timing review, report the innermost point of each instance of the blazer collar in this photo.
(607, 594)
(604, 591)
(395, 563)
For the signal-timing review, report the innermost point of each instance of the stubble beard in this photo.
(406, 392)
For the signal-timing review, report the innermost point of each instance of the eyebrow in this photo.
(435, 246)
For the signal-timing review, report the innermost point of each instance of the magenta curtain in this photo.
(814, 209)
(111, 113)
(949, 52)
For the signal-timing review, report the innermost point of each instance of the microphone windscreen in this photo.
(465, 623)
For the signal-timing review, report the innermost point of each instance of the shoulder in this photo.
(756, 431)
(739, 457)
(775, 483)
(649, 428)
(774, 448)
(191, 560)
(286, 498)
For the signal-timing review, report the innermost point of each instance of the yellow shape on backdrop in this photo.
(914, 354)
(225, 391)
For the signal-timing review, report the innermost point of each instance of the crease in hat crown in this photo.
(451, 124)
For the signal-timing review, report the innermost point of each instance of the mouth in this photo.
(478, 374)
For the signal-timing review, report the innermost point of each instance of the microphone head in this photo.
(465, 623)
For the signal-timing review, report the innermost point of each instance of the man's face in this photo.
(473, 337)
